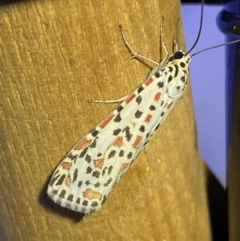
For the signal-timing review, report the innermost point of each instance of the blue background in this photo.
(207, 73)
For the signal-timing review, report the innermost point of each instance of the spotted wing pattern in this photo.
(91, 169)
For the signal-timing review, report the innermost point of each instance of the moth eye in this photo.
(178, 55)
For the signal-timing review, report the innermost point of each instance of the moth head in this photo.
(179, 54)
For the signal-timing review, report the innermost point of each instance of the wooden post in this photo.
(56, 56)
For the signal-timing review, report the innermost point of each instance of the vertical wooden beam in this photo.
(55, 57)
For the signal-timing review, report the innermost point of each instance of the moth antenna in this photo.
(216, 46)
(199, 31)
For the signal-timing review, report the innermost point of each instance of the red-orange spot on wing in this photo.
(66, 165)
(130, 98)
(99, 163)
(148, 118)
(68, 181)
(148, 81)
(124, 167)
(118, 141)
(169, 105)
(106, 120)
(157, 96)
(90, 194)
(82, 144)
(137, 142)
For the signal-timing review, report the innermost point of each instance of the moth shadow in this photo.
(6, 2)
(50, 205)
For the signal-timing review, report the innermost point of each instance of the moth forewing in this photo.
(89, 172)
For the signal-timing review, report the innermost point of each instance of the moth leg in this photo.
(163, 63)
(146, 146)
(133, 52)
(111, 101)
(162, 38)
(175, 44)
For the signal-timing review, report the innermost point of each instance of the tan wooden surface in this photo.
(55, 56)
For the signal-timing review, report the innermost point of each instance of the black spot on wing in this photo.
(152, 107)
(110, 170)
(53, 179)
(140, 89)
(62, 194)
(94, 132)
(94, 204)
(70, 198)
(182, 64)
(183, 79)
(55, 192)
(142, 128)
(127, 133)
(108, 182)
(60, 180)
(116, 131)
(80, 183)
(119, 108)
(88, 158)
(104, 171)
(129, 155)
(96, 174)
(72, 157)
(121, 153)
(139, 99)
(84, 151)
(117, 118)
(176, 70)
(97, 184)
(56, 173)
(89, 170)
(138, 114)
(93, 144)
(112, 154)
(160, 84)
(157, 74)
(75, 175)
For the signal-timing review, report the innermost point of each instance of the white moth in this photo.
(89, 172)
(91, 169)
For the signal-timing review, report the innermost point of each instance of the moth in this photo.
(91, 169)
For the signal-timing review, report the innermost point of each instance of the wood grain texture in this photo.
(56, 56)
